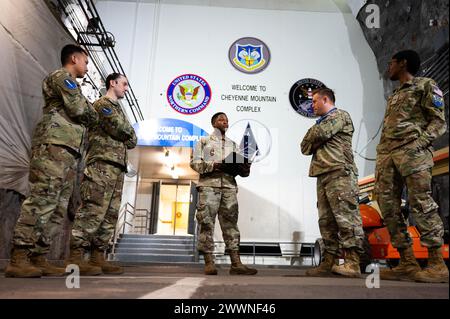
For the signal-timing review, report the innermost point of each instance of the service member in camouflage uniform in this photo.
(414, 118)
(101, 189)
(217, 192)
(57, 145)
(330, 143)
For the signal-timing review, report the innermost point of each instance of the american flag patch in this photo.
(436, 90)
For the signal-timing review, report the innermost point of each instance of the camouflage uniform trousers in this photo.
(213, 201)
(101, 193)
(410, 166)
(52, 176)
(340, 221)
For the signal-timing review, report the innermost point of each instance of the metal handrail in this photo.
(121, 223)
(147, 218)
(194, 242)
(255, 243)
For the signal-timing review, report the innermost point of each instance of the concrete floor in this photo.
(188, 282)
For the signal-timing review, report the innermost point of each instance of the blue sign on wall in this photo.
(168, 132)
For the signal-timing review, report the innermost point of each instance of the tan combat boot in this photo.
(237, 268)
(436, 270)
(19, 265)
(76, 257)
(46, 268)
(350, 268)
(98, 260)
(406, 269)
(210, 267)
(324, 268)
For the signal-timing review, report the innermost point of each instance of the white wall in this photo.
(158, 43)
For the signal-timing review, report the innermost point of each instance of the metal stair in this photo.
(153, 249)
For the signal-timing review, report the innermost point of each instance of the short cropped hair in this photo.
(68, 50)
(215, 116)
(412, 60)
(113, 76)
(326, 92)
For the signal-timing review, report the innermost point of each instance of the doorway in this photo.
(165, 189)
(173, 210)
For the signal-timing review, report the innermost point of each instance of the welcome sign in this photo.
(167, 132)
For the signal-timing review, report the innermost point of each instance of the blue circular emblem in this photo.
(189, 94)
(70, 84)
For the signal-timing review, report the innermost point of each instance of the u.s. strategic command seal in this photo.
(249, 55)
(189, 94)
(300, 96)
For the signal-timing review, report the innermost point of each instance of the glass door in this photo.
(173, 214)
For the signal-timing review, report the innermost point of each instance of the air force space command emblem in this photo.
(249, 55)
(189, 94)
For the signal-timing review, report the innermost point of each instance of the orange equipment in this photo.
(380, 240)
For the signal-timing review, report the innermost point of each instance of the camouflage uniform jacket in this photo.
(66, 113)
(110, 140)
(330, 143)
(209, 150)
(415, 111)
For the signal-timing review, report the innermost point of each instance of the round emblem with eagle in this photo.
(189, 94)
(300, 96)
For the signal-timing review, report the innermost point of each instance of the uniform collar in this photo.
(323, 117)
(406, 84)
(116, 103)
(68, 73)
(217, 134)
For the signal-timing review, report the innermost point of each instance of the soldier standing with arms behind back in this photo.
(330, 143)
(56, 147)
(101, 189)
(217, 192)
(414, 118)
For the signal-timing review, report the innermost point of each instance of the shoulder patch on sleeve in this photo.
(70, 84)
(438, 101)
(436, 90)
(107, 111)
